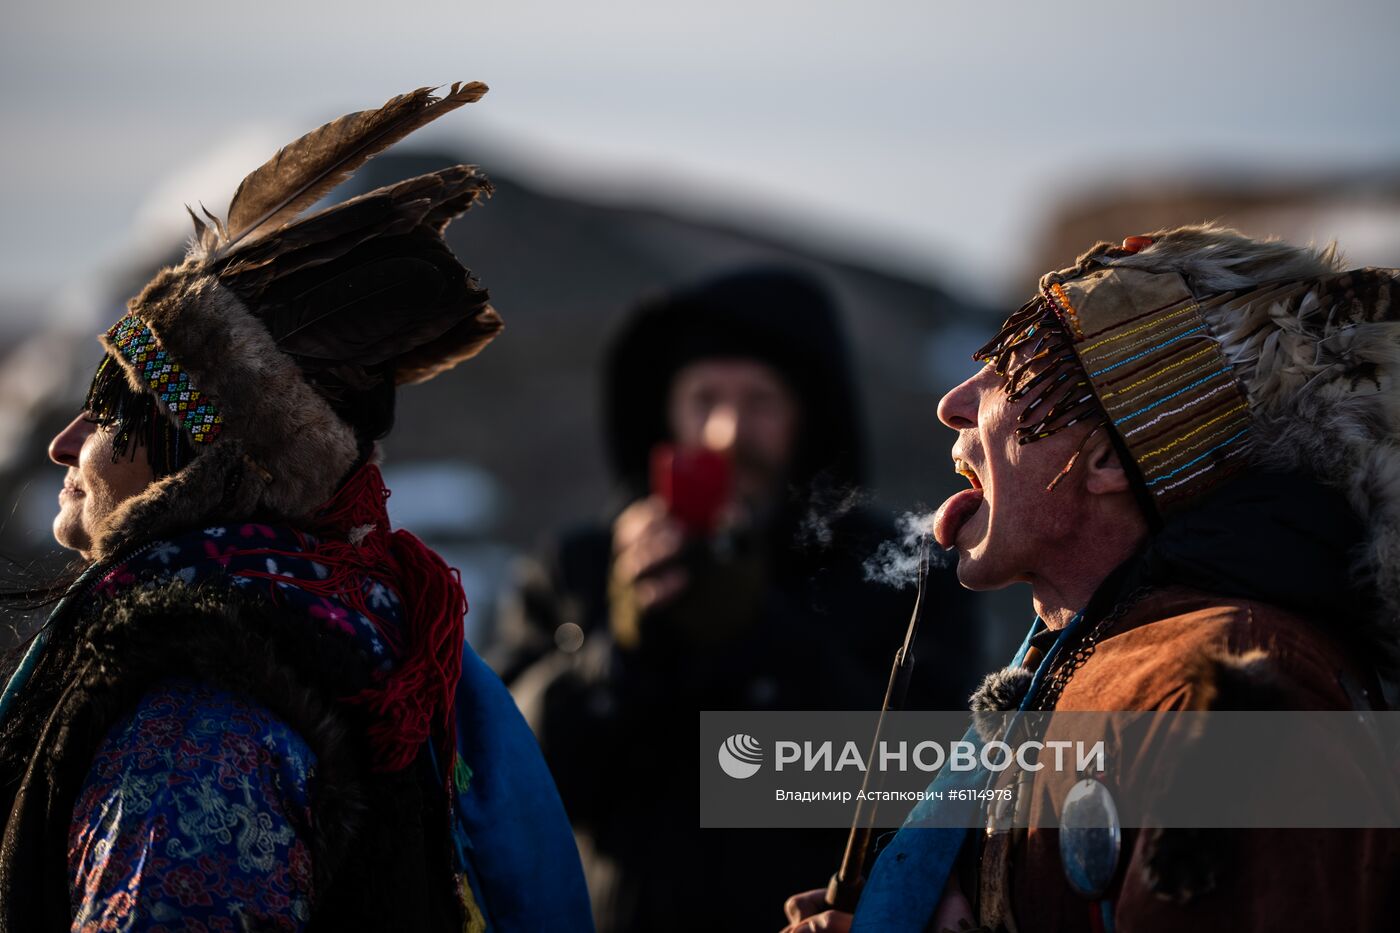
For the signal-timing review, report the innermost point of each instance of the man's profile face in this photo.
(744, 409)
(94, 485)
(1015, 528)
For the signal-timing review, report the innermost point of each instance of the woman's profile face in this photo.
(94, 485)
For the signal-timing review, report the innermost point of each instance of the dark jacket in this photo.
(781, 618)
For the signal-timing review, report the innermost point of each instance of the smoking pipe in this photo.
(843, 891)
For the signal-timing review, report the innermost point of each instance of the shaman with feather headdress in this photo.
(1187, 445)
(254, 708)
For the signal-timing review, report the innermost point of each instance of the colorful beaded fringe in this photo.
(192, 409)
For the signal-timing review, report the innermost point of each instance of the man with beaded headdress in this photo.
(1186, 445)
(254, 708)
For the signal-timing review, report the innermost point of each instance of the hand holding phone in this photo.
(696, 484)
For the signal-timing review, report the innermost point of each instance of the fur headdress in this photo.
(276, 345)
(1207, 352)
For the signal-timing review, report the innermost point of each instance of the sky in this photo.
(926, 137)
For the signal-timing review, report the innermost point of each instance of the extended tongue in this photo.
(953, 514)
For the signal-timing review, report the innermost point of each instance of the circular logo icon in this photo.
(740, 756)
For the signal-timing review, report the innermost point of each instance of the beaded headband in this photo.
(166, 379)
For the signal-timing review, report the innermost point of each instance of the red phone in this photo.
(694, 482)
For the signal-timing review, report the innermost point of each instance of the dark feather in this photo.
(218, 224)
(203, 236)
(305, 170)
(370, 305)
(329, 234)
(458, 344)
(378, 301)
(318, 242)
(364, 294)
(449, 209)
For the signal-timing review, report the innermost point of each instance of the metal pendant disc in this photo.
(1091, 838)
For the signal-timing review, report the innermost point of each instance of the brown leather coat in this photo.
(1181, 649)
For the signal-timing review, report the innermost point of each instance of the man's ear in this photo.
(1104, 473)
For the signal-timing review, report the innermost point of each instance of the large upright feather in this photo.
(304, 171)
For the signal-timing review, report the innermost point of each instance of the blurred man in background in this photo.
(731, 579)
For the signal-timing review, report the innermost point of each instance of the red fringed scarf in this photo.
(416, 697)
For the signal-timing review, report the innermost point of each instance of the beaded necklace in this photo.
(1048, 693)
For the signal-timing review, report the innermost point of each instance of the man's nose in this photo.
(958, 409)
(68, 443)
(721, 429)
